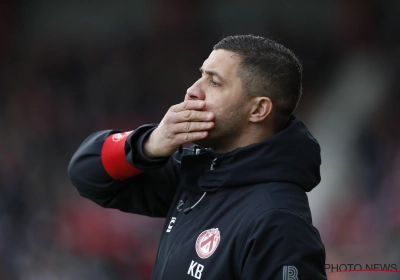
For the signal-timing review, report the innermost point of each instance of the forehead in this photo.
(225, 62)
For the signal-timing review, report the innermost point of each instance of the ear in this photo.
(261, 108)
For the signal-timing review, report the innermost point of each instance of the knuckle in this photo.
(202, 115)
(170, 117)
(169, 135)
(187, 137)
(166, 119)
(187, 114)
(187, 126)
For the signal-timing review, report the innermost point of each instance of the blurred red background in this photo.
(69, 68)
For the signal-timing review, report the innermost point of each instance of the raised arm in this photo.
(133, 171)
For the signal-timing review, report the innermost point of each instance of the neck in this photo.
(251, 135)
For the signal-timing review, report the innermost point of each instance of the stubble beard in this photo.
(227, 129)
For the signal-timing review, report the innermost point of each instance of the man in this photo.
(235, 202)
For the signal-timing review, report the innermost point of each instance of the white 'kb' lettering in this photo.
(199, 270)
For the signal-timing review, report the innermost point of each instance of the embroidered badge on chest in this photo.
(207, 242)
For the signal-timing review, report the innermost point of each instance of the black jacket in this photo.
(253, 222)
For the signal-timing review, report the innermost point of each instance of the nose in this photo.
(195, 92)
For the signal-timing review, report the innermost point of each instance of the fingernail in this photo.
(209, 115)
(201, 103)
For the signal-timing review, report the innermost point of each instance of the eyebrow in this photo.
(211, 73)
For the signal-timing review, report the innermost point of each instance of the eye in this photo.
(214, 83)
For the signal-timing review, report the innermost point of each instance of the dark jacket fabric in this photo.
(249, 215)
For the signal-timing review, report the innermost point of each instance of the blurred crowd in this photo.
(55, 92)
(364, 226)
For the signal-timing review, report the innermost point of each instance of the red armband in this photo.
(113, 157)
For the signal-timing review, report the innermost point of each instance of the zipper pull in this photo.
(213, 163)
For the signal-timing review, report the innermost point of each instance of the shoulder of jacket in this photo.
(278, 195)
(276, 223)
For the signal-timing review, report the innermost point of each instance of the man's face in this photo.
(222, 90)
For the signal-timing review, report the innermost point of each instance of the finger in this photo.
(192, 126)
(186, 137)
(191, 116)
(188, 105)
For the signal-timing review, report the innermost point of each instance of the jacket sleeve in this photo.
(111, 169)
(282, 244)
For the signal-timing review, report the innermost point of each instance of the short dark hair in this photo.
(268, 69)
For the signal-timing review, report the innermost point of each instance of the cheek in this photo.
(224, 113)
(216, 103)
(216, 109)
(221, 104)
